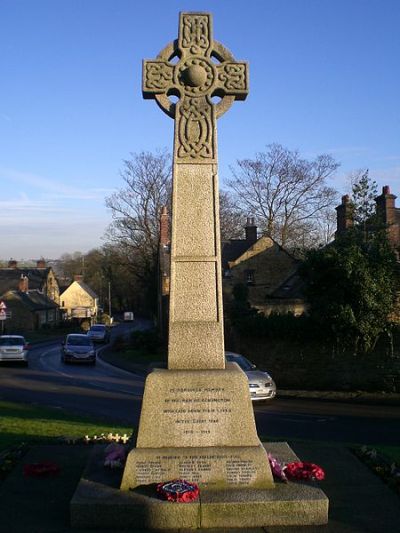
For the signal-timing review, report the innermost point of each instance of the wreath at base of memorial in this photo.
(302, 470)
(44, 469)
(297, 470)
(178, 490)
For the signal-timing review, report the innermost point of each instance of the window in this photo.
(249, 277)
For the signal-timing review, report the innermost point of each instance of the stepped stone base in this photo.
(99, 503)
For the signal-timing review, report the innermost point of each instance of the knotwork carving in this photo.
(233, 76)
(158, 76)
(196, 130)
(195, 33)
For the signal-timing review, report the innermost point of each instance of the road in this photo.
(114, 395)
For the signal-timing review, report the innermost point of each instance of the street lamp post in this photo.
(109, 300)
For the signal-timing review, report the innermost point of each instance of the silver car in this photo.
(99, 333)
(78, 348)
(261, 385)
(13, 348)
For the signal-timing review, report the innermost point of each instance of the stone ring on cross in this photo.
(195, 66)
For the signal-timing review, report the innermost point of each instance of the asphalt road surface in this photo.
(114, 395)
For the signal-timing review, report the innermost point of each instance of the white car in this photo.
(13, 348)
(261, 385)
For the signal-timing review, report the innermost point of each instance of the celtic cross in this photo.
(205, 69)
(195, 68)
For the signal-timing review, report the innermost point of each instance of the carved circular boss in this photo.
(195, 76)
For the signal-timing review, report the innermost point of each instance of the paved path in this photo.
(359, 501)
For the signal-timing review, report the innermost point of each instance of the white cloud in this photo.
(52, 188)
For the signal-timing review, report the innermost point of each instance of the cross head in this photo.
(195, 68)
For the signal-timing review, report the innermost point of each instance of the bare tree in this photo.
(231, 217)
(135, 208)
(285, 192)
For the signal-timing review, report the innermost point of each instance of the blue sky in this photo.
(324, 78)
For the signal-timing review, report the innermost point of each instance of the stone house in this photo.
(28, 309)
(269, 271)
(79, 301)
(41, 278)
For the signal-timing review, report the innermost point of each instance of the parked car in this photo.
(261, 384)
(78, 348)
(99, 333)
(14, 348)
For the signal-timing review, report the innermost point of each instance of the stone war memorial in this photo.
(197, 421)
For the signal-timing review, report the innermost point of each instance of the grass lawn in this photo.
(32, 424)
(392, 453)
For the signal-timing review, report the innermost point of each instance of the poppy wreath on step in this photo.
(178, 490)
(302, 470)
(41, 469)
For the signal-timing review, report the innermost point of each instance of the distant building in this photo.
(28, 309)
(41, 278)
(269, 271)
(79, 301)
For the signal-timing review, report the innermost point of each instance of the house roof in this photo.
(236, 248)
(9, 277)
(292, 288)
(232, 249)
(34, 300)
(83, 286)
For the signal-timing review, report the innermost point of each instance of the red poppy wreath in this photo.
(303, 470)
(44, 469)
(178, 490)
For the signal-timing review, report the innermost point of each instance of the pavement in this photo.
(360, 502)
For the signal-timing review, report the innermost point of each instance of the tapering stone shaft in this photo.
(205, 69)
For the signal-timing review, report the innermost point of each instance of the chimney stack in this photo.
(251, 230)
(41, 263)
(78, 277)
(385, 206)
(23, 283)
(164, 227)
(12, 263)
(344, 215)
(386, 211)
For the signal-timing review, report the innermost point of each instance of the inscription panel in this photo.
(196, 408)
(200, 468)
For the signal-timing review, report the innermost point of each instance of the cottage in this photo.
(41, 278)
(28, 309)
(268, 270)
(79, 301)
